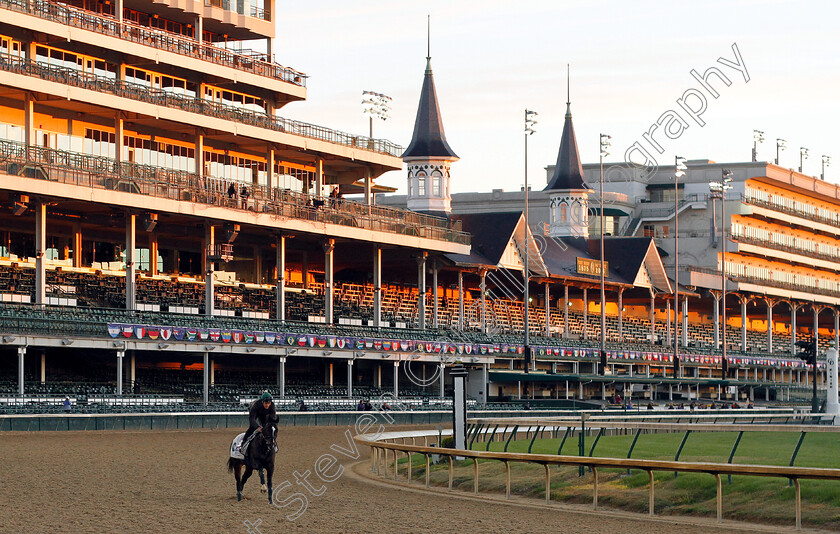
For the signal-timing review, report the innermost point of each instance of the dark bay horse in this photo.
(259, 456)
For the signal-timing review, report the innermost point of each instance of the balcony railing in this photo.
(239, 7)
(196, 104)
(761, 281)
(775, 206)
(159, 39)
(105, 173)
(768, 243)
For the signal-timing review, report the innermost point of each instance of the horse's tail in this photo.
(233, 463)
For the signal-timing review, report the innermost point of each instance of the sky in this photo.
(630, 63)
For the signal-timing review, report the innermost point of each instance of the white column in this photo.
(43, 366)
(668, 322)
(585, 315)
(319, 177)
(816, 328)
(421, 289)
(396, 380)
(368, 187)
(199, 154)
(119, 136)
(349, 379)
(209, 246)
(377, 286)
(21, 355)
(685, 322)
(281, 278)
(329, 248)
(716, 313)
(130, 261)
(120, 356)
(621, 315)
(442, 377)
(435, 309)
(547, 311)
(566, 316)
(793, 308)
(483, 275)
(40, 251)
(29, 124)
(652, 317)
(281, 377)
(132, 370)
(461, 319)
(743, 323)
(769, 325)
(205, 390)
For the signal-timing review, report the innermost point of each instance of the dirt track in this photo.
(177, 482)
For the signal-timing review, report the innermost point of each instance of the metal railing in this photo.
(239, 7)
(160, 39)
(767, 282)
(106, 173)
(382, 449)
(776, 206)
(769, 243)
(194, 104)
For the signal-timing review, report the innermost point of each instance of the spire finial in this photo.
(428, 44)
(568, 98)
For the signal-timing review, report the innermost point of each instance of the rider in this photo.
(262, 411)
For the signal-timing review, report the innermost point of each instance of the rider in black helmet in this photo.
(262, 411)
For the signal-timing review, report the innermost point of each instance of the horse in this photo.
(259, 455)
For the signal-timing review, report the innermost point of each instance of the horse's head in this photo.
(269, 436)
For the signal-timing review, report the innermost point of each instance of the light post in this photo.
(718, 190)
(826, 161)
(758, 137)
(780, 145)
(679, 172)
(530, 122)
(803, 155)
(604, 145)
(375, 105)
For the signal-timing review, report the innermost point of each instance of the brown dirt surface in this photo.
(177, 481)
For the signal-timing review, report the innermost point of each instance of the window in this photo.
(436, 185)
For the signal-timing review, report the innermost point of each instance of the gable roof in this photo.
(491, 233)
(636, 259)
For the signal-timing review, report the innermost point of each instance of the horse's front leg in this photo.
(270, 472)
(263, 489)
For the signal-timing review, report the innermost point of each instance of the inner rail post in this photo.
(450, 473)
(798, 504)
(650, 496)
(427, 469)
(719, 504)
(547, 484)
(507, 479)
(595, 488)
(475, 475)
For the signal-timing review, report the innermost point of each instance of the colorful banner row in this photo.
(221, 335)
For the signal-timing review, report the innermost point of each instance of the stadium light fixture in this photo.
(780, 145)
(803, 155)
(375, 105)
(758, 137)
(530, 124)
(826, 161)
(680, 169)
(718, 190)
(604, 144)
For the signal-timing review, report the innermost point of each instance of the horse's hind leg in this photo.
(238, 475)
(245, 478)
(270, 473)
(263, 489)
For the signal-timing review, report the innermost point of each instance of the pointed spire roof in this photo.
(429, 138)
(568, 171)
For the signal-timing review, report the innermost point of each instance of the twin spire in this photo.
(568, 171)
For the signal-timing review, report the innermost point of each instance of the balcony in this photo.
(75, 78)
(808, 253)
(238, 6)
(791, 209)
(260, 65)
(762, 281)
(106, 173)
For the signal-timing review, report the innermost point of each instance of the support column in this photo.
(205, 390)
(120, 356)
(743, 323)
(547, 310)
(461, 319)
(349, 379)
(379, 374)
(257, 264)
(119, 136)
(304, 269)
(769, 325)
(652, 317)
(585, 315)
(281, 277)
(281, 377)
(132, 370)
(483, 275)
(40, 252)
(29, 125)
(270, 177)
(77, 245)
(21, 355)
(377, 286)
(668, 322)
(816, 328)
(199, 156)
(130, 261)
(118, 7)
(153, 253)
(329, 248)
(421, 289)
(485, 383)
(793, 308)
(368, 187)
(836, 329)
(435, 307)
(43, 367)
(319, 178)
(565, 312)
(716, 314)
(397, 380)
(685, 322)
(442, 377)
(212, 373)
(209, 267)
